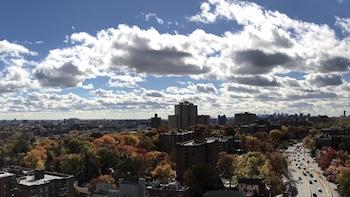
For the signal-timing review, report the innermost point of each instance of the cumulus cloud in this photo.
(258, 80)
(203, 88)
(11, 49)
(321, 80)
(343, 24)
(257, 62)
(335, 64)
(249, 65)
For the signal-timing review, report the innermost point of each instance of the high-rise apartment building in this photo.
(168, 141)
(186, 113)
(203, 151)
(155, 121)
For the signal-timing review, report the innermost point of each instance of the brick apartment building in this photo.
(16, 181)
(200, 151)
(7, 184)
(245, 118)
(168, 141)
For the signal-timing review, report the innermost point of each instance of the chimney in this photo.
(156, 115)
(344, 113)
(39, 174)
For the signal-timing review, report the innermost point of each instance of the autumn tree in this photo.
(278, 163)
(163, 172)
(250, 163)
(325, 157)
(308, 142)
(36, 158)
(227, 166)
(272, 178)
(102, 179)
(276, 135)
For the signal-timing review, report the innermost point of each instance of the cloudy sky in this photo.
(130, 59)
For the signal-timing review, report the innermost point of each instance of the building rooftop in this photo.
(5, 174)
(172, 186)
(177, 133)
(29, 180)
(204, 141)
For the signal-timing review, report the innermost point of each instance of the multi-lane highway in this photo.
(306, 176)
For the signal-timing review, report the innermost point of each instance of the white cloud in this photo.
(150, 16)
(343, 24)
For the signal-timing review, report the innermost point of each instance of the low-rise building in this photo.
(252, 187)
(42, 183)
(203, 119)
(245, 118)
(132, 188)
(173, 189)
(336, 138)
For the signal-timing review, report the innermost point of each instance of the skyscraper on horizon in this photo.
(185, 116)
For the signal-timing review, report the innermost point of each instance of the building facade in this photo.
(202, 151)
(222, 120)
(156, 121)
(245, 118)
(7, 184)
(18, 181)
(186, 115)
(203, 119)
(168, 141)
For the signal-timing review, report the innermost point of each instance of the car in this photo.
(310, 182)
(300, 178)
(299, 167)
(311, 175)
(314, 195)
(315, 180)
(319, 190)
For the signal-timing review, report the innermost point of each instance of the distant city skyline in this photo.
(130, 60)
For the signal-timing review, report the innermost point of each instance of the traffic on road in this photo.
(305, 175)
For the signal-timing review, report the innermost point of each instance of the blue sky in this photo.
(130, 59)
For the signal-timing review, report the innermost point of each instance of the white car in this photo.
(319, 190)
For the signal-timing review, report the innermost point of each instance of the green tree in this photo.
(71, 164)
(202, 178)
(250, 163)
(344, 183)
(272, 178)
(227, 166)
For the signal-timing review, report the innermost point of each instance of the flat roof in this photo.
(206, 140)
(5, 174)
(177, 133)
(29, 180)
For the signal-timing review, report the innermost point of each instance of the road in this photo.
(306, 176)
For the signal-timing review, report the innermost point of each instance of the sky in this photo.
(131, 59)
